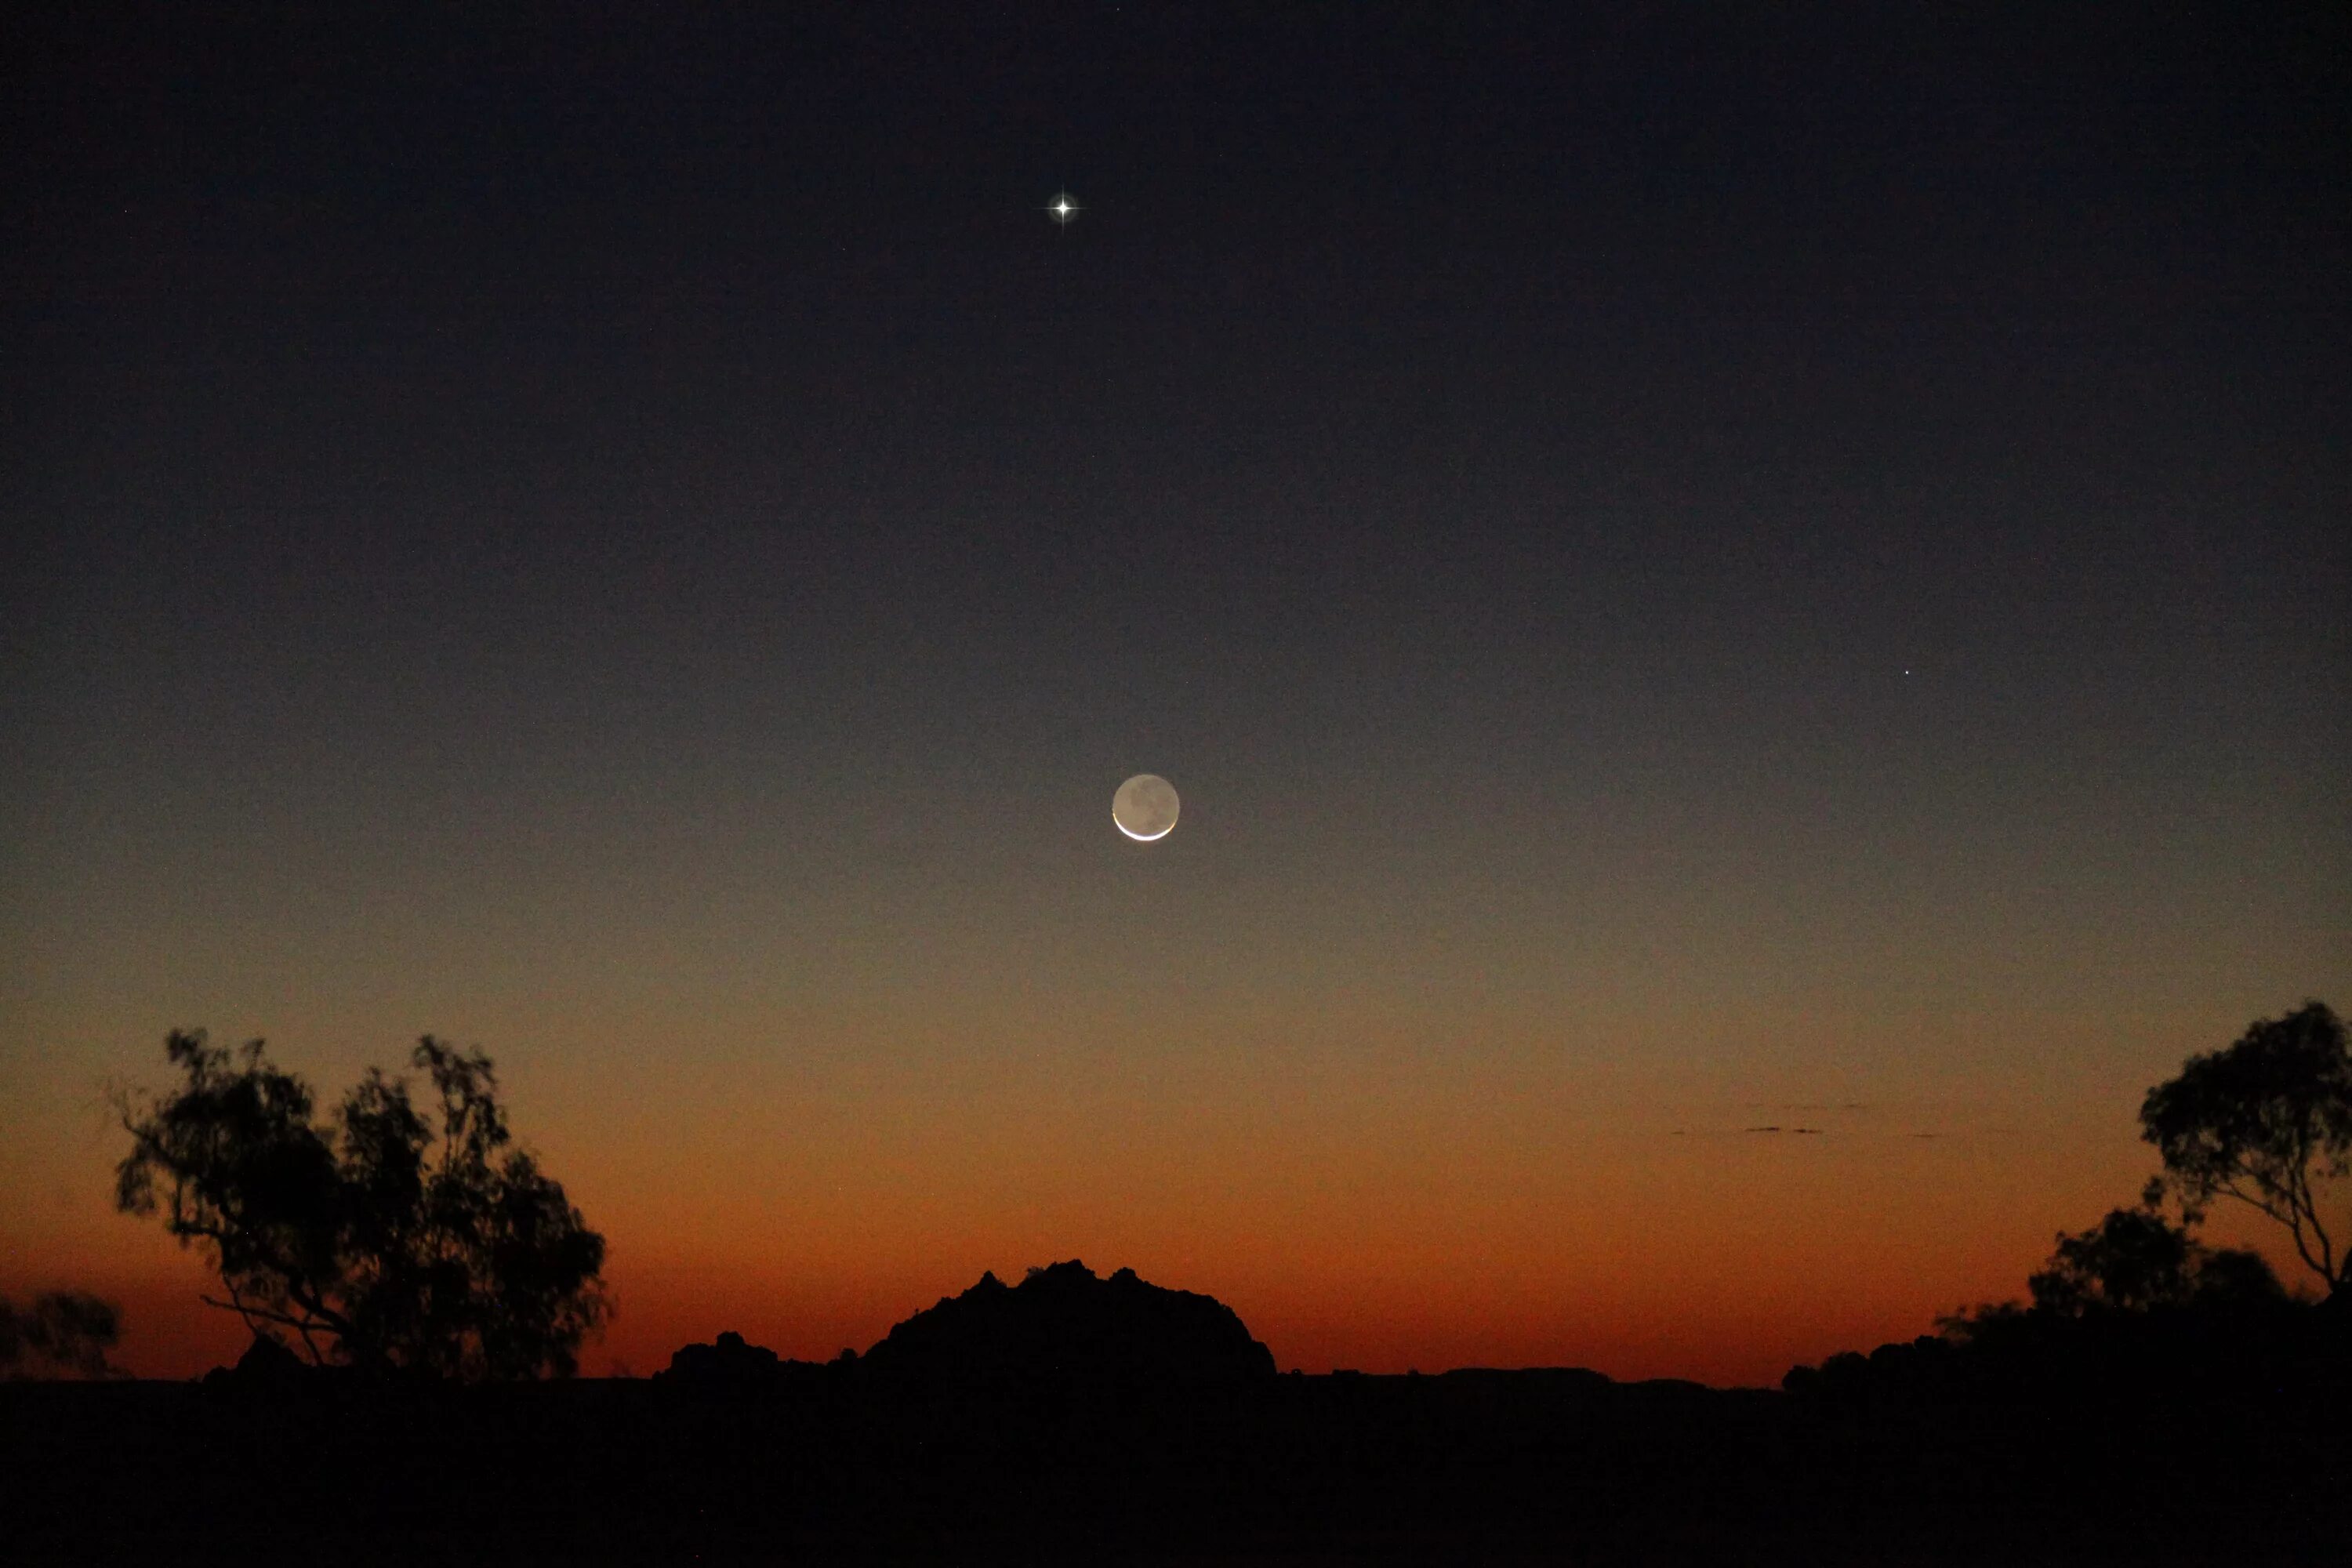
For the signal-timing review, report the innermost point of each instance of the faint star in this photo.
(1063, 207)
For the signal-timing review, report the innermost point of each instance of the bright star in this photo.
(1064, 208)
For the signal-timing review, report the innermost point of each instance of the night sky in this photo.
(1692, 576)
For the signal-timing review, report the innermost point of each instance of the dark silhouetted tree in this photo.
(2130, 1261)
(62, 1331)
(2267, 1121)
(382, 1239)
(2136, 1260)
(2133, 1260)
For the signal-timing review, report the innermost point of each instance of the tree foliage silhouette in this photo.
(2136, 1260)
(2267, 1121)
(62, 1331)
(381, 1240)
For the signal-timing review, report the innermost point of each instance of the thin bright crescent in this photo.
(1142, 838)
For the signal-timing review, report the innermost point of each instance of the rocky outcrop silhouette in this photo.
(267, 1367)
(729, 1361)
(1064, 1326)
(732, 1363)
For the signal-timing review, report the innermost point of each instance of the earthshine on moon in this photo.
(1145, 807)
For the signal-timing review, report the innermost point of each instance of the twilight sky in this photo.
(1690, 578)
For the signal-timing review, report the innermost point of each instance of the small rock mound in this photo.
(1064, 1326)
(267, 1366)
(731, 1361)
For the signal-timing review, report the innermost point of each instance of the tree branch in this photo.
(249, 1312)
(2293, 1216)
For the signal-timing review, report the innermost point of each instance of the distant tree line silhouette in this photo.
(385, 1240)
(390, 1239)
(2135, 1260)
(2267, 1121)
(58, 1332)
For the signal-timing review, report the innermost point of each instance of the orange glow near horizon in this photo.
(1388, 1210)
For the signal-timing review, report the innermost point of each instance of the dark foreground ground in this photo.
(1553, 1467)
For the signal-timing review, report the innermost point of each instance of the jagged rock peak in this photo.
(1064, 1323)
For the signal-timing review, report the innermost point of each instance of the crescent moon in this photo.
(1145, 809)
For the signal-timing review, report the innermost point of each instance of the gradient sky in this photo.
(1690, 577)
